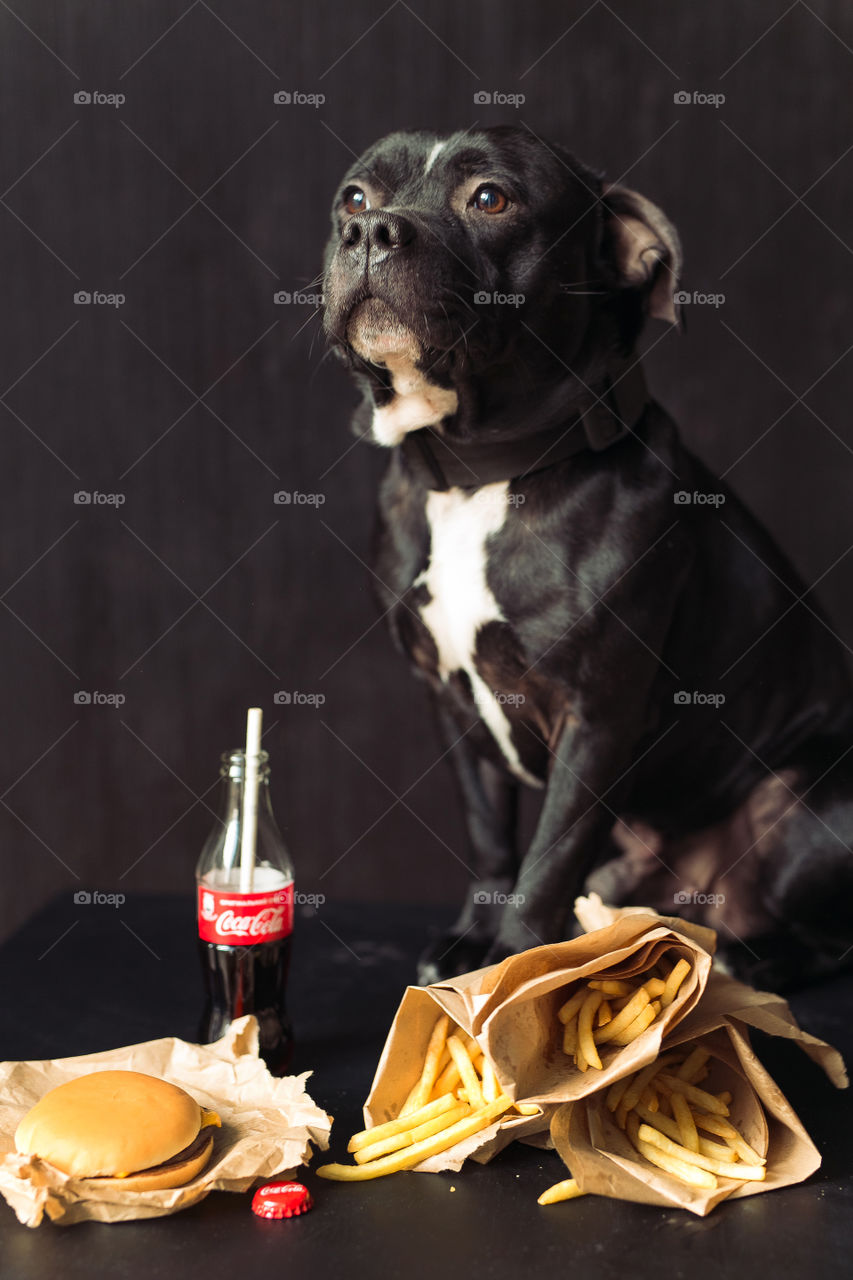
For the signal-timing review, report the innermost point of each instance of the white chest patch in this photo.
(461, 601)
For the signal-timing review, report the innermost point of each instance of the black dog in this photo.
(595, 613)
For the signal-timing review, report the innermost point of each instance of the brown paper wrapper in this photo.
(603, 1161)
(400, 1067)
(268, 1126)
(725, 997)
(511, 1010)
(520, 1026)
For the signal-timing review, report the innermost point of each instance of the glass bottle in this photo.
(245, 922)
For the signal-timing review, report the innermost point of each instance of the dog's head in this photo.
(482, 279)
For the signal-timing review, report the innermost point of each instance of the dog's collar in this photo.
(599, 422)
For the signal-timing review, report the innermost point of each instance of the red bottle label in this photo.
(238, 919)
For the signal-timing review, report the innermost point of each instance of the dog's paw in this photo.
(448, 955)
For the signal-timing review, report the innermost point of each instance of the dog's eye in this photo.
(355, 200)
(490, 199)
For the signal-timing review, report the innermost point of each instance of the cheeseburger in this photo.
(113, 1125)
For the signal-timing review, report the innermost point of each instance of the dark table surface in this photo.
(78, 980)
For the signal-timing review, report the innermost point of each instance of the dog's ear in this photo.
(643, 248)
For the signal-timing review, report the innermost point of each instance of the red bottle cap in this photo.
(281, 1200)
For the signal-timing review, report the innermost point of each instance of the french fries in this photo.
(683, 1117)
(730, 1135)
(699, 1098)
(684, 1172)
(693, 1064)
(456, 1095)
(391, 1127)
(744, 1172)
(670, 1134)
(614, 1011)
(408, 1137)
(423, 1088)
(478, 1118)
(470, 1080)
(670, 1137)
(566, 1190)
(673, 982)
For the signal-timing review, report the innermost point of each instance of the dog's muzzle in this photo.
(368, 273)
(377, 333)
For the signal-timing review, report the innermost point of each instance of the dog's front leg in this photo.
(574, 825)
(490, 803)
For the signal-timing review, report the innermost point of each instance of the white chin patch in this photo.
(376, 334)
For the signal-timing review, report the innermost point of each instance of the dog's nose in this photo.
(377, 233)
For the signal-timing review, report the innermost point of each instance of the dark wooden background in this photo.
(198, 398)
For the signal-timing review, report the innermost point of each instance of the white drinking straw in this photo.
(250, 799)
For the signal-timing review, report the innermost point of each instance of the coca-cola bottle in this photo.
(245, 921)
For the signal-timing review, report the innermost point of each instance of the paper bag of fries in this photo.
(703, 1121)
(430, 1055)
(562, 1021)
(472, 1064)
(621, 1048)
(557, 1021)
